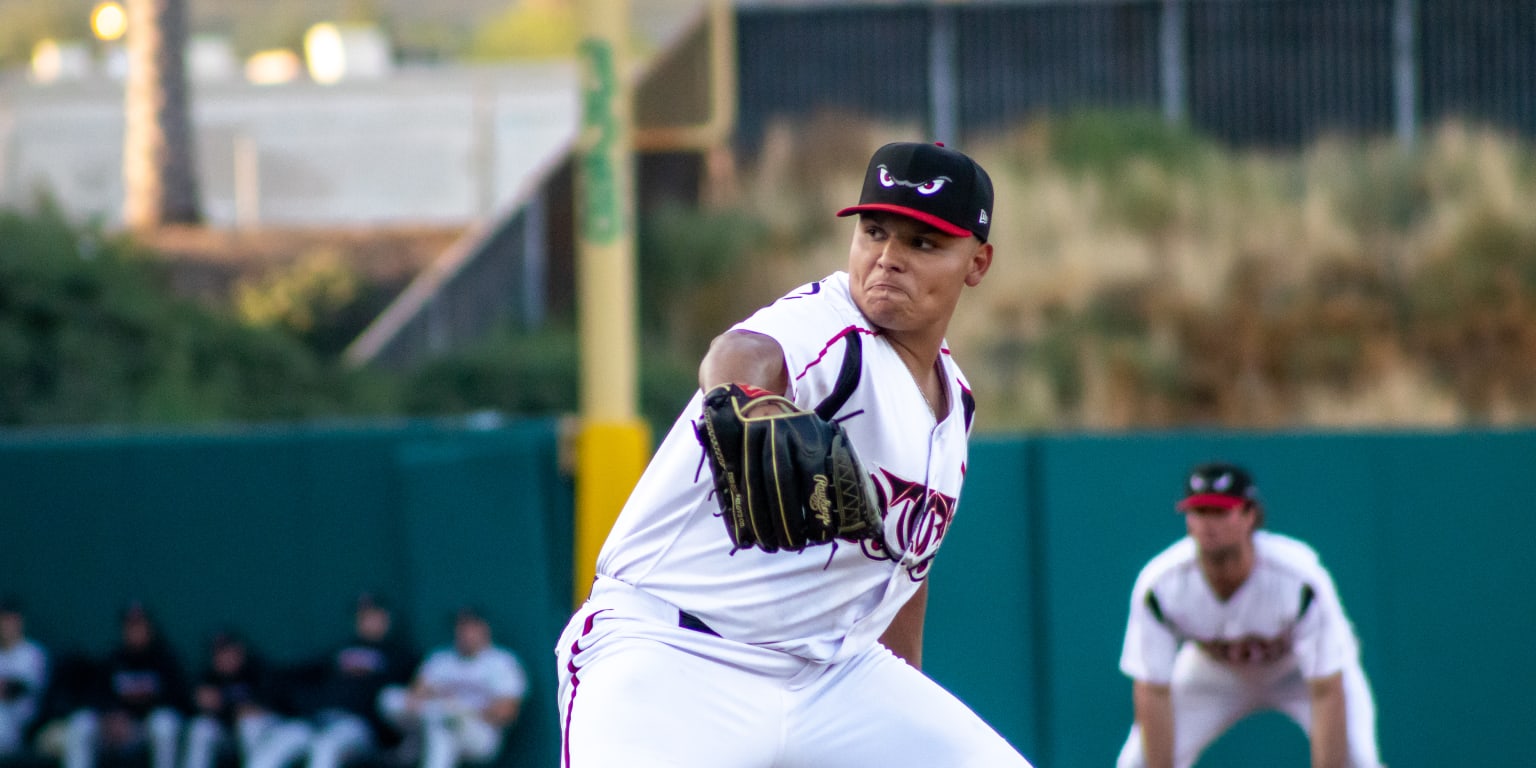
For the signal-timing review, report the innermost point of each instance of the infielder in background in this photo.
(1231, 620)
(760, 601)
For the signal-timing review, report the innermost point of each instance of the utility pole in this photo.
(159, 178)
(613, 444)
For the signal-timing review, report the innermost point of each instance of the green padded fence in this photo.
(275, 529)
(1425, 533)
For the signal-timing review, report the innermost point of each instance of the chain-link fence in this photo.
(1249, 72)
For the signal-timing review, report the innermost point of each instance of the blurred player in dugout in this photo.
(336, 697)
(463, 699)
(23, 677)
(136, 699)
(233, 703)
(1230, 620)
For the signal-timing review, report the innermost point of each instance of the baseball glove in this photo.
(784, 478)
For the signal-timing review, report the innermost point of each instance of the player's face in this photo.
(11, 628)
(1219, 529)
(137, 633)
(471, 636)
(228, 659)
(907, 276)
(372, 623)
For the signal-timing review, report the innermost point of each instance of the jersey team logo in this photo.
(922, 517)
(1251, 649)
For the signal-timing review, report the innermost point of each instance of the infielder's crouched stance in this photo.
(1231, 620)
(760, 600)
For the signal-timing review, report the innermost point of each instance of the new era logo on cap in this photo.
(931, 183)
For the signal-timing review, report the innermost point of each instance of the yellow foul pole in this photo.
(613, 443)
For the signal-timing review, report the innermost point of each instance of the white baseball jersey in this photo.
(1256, 650)
(1287, 610)
(473, 682)
(825, 603)
(25, 662)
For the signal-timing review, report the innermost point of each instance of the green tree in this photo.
(90, 333)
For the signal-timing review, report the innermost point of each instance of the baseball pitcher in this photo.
(760, 600)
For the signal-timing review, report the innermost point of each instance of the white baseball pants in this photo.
(638, 690)
(1209, 697)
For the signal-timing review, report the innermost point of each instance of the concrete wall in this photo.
(438, 146)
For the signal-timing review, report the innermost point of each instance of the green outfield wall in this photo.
(275, 529)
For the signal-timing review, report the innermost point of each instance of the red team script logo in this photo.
(1251, 649)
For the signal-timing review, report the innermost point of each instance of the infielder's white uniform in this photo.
(782, 668)
(452, 724)
(1255, 651)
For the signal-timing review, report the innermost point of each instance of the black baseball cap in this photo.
(469, 613)
(226, 638)
(134, 610)
(931, 183)
(372, 601)
(1218, 485)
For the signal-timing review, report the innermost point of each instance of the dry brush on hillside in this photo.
(1146, 278)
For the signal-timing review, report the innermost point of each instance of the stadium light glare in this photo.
(109, 21)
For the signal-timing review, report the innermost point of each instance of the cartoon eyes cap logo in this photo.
(925, 188)
(1221, 484)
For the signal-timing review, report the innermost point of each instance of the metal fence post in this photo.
(1170, 37)
(534, 262)
(943, 87)
(1405, 71)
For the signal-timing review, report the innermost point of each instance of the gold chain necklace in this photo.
(923, 391)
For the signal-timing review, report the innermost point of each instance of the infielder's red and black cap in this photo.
(931, 183)
(1218, 485)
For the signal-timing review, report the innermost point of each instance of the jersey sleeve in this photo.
(508, 679)
(32, 673)
(1150, 643)
(433, 670)
(33, 669)
(808, 323)
(1324, 641)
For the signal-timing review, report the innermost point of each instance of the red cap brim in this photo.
(911, 213)
(1211, 500)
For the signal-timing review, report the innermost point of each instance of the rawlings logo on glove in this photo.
(784, 478)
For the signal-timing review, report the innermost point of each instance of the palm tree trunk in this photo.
(159, 179)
